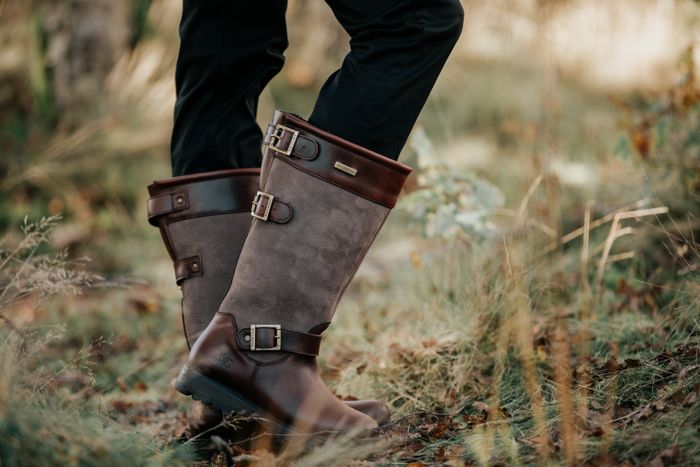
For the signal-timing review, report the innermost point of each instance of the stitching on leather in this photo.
(174, 182)
(314, 174)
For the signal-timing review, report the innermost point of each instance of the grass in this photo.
(556, 323)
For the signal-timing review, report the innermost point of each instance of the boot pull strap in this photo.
(272, 338)
(186, 268)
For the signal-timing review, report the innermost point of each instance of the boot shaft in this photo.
(321, 203)
(204, 220)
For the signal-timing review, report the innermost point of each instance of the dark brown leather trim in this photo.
(167, 203)
(186, 268)
(376, 178)
(280, 212)
(204, 194)
(292, 341)
(158, 185)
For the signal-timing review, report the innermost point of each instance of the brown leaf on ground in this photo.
(440, 455)
(439, 431)
(140, 387)
(665, 457)
(122, 406)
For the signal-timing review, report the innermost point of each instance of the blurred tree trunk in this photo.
(83, 40)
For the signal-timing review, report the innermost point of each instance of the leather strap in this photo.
(170, 202)
(158, 185)
(279, 212)
(289, 341)
(186, 268)
(167, 204)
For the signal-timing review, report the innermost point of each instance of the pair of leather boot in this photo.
(316, 206)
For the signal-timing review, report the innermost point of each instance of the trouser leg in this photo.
(229, 51)
(398, 48)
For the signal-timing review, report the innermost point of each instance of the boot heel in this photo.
(213, 394)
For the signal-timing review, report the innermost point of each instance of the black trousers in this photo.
(230, 49)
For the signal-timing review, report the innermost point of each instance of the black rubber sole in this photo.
(220, 397)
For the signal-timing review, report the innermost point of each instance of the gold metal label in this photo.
(344, 168)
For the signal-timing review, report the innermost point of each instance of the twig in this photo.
(574, 234)
(617, 232)
(526, 200)
(586, 246)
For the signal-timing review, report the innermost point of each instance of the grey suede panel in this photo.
(218, 241)
(264, 168)
(293, 274)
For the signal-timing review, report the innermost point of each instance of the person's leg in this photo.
(229, 51)
(398, 48)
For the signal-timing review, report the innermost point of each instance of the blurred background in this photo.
(554, 123)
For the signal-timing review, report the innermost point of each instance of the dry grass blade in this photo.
(616, 232)
(521, 325)
(520, 216)
(576, 233)
(561, 356)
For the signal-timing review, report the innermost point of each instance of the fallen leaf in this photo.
(440, 455)
(141, 387)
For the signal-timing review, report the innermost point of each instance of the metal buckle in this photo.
(278, 336)
(268, 207)
(276, 137)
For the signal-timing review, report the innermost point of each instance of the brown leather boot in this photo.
(204, 220)
(321, 203)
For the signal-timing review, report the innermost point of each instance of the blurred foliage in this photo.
(662, 133)
(450, 203)
(25, 273)
(39, 423)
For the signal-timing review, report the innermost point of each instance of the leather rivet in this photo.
(179, 200)
(246, 338)
(195, 267)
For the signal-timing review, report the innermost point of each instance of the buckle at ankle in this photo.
(254, 339)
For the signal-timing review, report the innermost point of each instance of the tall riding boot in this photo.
(204, 220)
(321, 203)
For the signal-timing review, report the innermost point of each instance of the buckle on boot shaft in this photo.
(253, 337)
(259, 196)
(278, 135)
